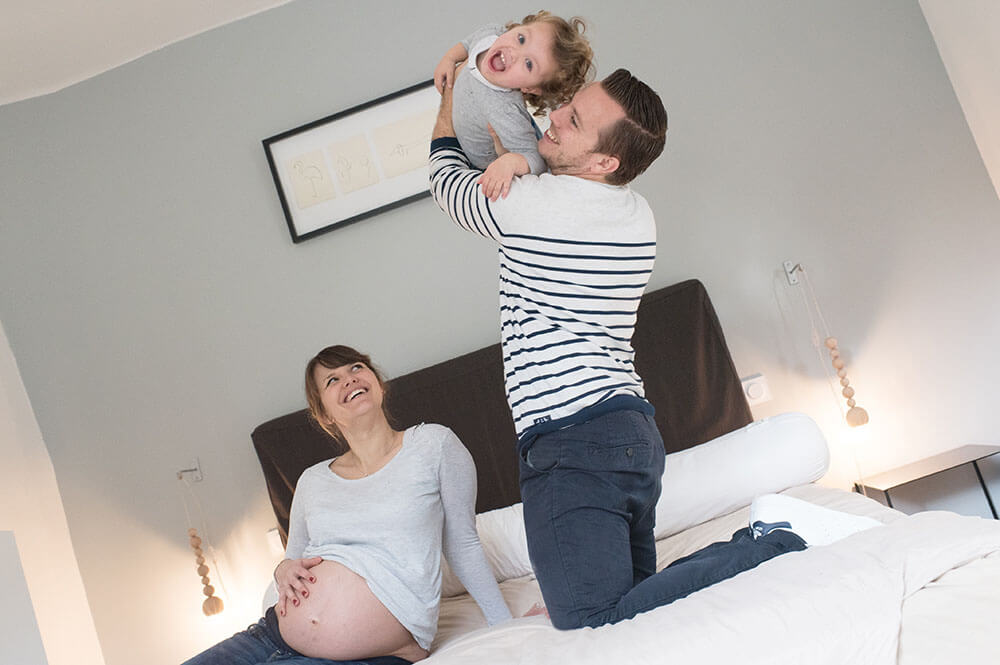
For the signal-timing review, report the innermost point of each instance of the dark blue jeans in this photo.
(589, 494)
(262, 643)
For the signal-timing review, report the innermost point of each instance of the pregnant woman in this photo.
(361, 581)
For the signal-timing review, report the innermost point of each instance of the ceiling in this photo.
(47, 45)
(965, 33)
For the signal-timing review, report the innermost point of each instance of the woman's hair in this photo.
(574, 60)
(333, 357)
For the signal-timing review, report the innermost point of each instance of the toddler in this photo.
(544, 59)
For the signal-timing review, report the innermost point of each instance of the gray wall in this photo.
(158, 310)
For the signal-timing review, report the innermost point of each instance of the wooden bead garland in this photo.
(213, 604)
(856, 416)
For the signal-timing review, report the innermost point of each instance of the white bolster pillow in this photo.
(725, 474)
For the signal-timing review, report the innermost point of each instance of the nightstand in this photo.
(889, 480)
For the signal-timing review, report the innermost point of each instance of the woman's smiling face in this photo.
(348, 391)
(521, 58)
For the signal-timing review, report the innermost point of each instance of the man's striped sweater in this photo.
(575, 257)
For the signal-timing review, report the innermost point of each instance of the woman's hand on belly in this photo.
(291, 578)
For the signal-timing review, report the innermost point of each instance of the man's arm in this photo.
(454, 183)
(444, 127)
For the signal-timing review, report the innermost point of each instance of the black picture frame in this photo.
(354, 164)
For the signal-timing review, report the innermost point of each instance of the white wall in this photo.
(31, 510)
(158, 310)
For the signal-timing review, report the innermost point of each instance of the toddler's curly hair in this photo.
(574, 60)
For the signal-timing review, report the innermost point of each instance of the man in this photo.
(576, 249)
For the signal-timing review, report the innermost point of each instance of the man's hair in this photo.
(638, 138)
(572, 56)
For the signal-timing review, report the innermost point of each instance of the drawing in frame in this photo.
(356, 163)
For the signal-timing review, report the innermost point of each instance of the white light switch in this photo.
(756, 390)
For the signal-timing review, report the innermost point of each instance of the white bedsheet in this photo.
(838, 604)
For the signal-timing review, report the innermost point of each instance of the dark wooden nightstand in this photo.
(883, 482)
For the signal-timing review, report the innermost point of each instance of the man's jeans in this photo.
(262, 643)
(589, 494)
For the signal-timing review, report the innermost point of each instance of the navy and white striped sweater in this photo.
(575, 257)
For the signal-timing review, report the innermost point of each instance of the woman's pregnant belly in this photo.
(343, 620)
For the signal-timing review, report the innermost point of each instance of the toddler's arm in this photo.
(495, 180)
(444, 73)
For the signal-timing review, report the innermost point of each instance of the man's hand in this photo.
(290, 579)
(495, 180)
(444, 75)
(445, 72)
(443, 127)
(536, 610)
(497, 143)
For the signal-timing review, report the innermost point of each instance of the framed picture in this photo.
(354, 164)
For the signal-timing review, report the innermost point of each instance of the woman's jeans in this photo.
(589, 494)
(262, 643)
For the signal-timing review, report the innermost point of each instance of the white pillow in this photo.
(725, 474)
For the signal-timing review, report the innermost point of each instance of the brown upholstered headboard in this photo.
(681, 355)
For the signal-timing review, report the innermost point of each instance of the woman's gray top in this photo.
(392, 526)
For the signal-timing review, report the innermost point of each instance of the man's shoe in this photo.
(814, 524)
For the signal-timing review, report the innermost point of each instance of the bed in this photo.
(919, 590)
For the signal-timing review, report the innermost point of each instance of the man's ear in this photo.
(532, 91)
(605, 164)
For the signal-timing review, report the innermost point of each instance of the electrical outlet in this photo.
(756, 390)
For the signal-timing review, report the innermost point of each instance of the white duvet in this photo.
(844, 603)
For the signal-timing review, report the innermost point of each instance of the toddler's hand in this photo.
(495, 180)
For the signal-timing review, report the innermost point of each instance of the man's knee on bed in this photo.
(566, 620)
(572, 619)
